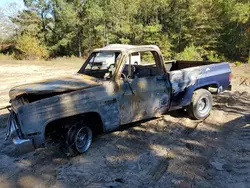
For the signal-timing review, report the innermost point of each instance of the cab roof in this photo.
(126, 47)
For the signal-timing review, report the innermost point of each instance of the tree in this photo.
(29, 48)
(8, 28)
(74, 27)
(235, 38)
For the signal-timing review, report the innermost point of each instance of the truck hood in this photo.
(75, 82)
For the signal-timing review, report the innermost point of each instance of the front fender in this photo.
(34, 117)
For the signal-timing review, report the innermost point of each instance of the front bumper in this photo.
(14, 133)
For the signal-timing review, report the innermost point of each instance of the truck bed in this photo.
(178, 65)
(187, 76)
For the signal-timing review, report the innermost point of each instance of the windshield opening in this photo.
(101, 64)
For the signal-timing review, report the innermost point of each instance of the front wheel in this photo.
(80, 138)
(201, 104)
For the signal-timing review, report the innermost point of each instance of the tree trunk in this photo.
(89, 39)
(179, 35)
(79, 47)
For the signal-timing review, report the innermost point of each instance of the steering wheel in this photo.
(123, 76)
(133, 69)
(111, 66)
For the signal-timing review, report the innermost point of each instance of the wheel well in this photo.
(211, 87)
(92, 119)
(208, 86)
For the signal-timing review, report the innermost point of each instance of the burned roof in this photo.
(126, 47)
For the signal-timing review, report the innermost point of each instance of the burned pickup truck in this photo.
(113, 89)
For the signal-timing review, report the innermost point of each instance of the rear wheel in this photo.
(79, 138)
(201, 105)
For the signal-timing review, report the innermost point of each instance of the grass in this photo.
(50, 62)
(66, 58)
(5, 57)
(238, 63)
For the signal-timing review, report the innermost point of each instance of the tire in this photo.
(79, 138)
(201, 105)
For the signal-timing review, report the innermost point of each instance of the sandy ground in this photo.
(172, 151)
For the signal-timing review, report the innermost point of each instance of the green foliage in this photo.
(30, 22)
(30, 48)
(189, 29)
(190, 53)
(213, 56)
(147, 58)
(237, 63)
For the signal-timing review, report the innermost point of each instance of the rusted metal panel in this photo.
(76, 82)
(148, 98)
(182, 79)
(110, 114)
(40, 113)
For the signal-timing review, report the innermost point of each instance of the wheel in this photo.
(79, 138)
(201, 104)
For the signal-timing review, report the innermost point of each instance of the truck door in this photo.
(146, 89)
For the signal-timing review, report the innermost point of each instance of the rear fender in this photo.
(183, 98)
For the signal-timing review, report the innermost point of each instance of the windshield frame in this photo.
(92, 55)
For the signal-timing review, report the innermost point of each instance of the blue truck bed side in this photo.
(186, 81)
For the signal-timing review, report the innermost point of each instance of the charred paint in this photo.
(182, 79)
(76, 82)
(115, 100)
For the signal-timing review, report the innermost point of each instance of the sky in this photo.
(6, 27)
(4, 4)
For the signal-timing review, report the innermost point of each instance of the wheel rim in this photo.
(203, 105)
(81, 138)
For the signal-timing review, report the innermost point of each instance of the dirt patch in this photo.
(172, 151)
(241, 78)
